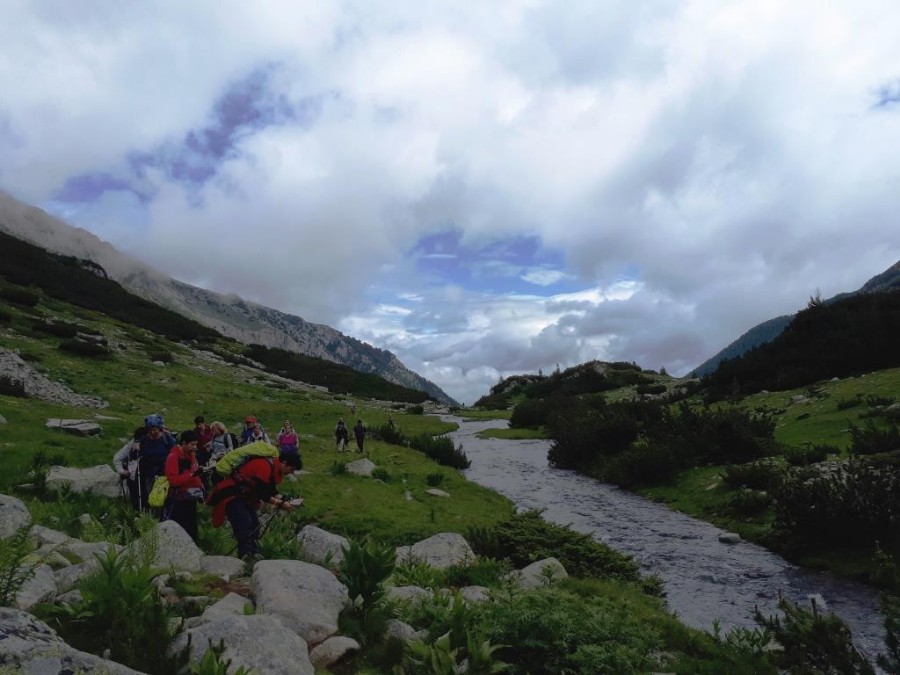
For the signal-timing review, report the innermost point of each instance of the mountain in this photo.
(765, 332)
(231, 315)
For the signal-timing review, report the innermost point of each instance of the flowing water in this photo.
(705, 580)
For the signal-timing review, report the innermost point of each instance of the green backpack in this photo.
(234, 459)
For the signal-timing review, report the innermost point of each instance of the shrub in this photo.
(533, 413)
(365, 568)
(871, 440)
(434, 479)
(749, 502)
(651, 389)
(14, 568)
(85, 348)
(415, 410)
(380, 473)
(847, 403)
(10, 386)
(526, 537)
(62, 329)
(389, 434)
(875, 401)
(279, 538)
(759, 475)
(809, 454)
(5, 317)
(641, 464)
(441, 449)
(162, 356)
(19, 296)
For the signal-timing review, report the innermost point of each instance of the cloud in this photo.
(479, 187)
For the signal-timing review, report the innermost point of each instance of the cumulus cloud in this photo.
(481, 188)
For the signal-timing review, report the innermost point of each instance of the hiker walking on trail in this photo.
(288, 441)
(239, 497)
(155, 447)
(341, 435)
(359, 431)
(185, 486)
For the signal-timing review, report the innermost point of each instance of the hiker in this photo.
(221, 441)
(288, 441)
(125, 462)
(185, 486)
(204, 436)
(155, 447)
(253, 431)
(240, 495)
(341, 435)
(390, 422)
(360, 432)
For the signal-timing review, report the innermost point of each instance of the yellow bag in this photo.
(159, 492)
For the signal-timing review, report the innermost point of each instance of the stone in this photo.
(2, 420)
(175, 547)
(231, 605)
(14, 515)
(332, 650)
(440, 551)
(223, 566)
(307, 598)
(361, 467)
(407, 593)
(258, 642)
(540, 573)
(100, 480)
(40, 587)
(434, 492)
(44, 536)
(68, 577)
(729, 538)
(398, 630)
(75, 427)
(475, 594)
(321, 547)
(85, 551)
(28, 645)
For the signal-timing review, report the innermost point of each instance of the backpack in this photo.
(159, 492)
(234, 459)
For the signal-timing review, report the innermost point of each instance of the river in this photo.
(705, 580)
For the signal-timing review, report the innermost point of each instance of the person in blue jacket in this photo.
(155, 447)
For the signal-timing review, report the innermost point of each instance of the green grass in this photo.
(479, 414)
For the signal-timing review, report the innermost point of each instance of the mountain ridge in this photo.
(231, 315)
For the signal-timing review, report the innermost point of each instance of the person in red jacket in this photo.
(240, 496)
(185, 486)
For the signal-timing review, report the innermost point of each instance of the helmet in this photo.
(154, 421)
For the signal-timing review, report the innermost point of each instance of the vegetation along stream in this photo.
(706, 581)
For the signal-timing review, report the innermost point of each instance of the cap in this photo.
(250, 420)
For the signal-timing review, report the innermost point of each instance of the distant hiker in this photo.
(155, 447)
(221, 441)
(204, 436)
(185, 486)
(125, 462)
(390, 422)
(253, 431)
(360, 432)
(288, 441)
(341, 435)
(240, 496)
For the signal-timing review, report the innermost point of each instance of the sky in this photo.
(483, 188)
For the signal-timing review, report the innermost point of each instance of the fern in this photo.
(15, 569)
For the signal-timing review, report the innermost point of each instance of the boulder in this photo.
(434, 492)
(231, 605)
(44, 536)
(398, 630)
(174, 547)
(407, 593)
(257, 642)
(40, 587)
(729, 538)
(28, 645)
(68, 577)
(307, 598)
(440, 551)
(332, 650)
(361, 467)
(14, 515)
(85, 551)
(475, 593)
(321, 547)
(223, 566)
(100, 480)
(540, 573)
(75, 427)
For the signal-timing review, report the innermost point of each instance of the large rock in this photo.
(440, 551)
(13, 516)
(408, 593)
(173, 547)
(231, 605)
(332, 650)
(361, 467)
(68, 577)
(100, 479)
(30, 646)
(85, 551)
(307, 598)
(40, 587)
(223, 566)
(540, 573)
(75, 427)
(257, 642)
(321, 547)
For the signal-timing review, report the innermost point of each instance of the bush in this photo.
(19, 296)
(847, 403)
(651, 389)
(162, 356)
(85, 348)
(441, 449)
(526, 537)
(62, 329)
(380, 473)
(809, 454)
(389, 434)
(10, 386)
(870, 440)
(759, 475)
(749, 502)
(5, 317)
(415, 410)
(641, 464)
(434, 479)
(533, 413)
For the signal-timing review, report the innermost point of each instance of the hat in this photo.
(250, 420)
(154, 421)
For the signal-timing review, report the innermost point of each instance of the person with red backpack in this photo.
(239, 496)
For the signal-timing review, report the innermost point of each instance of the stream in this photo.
(705, 580)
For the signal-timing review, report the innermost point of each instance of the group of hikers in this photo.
(233, 475)
(342, 436)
